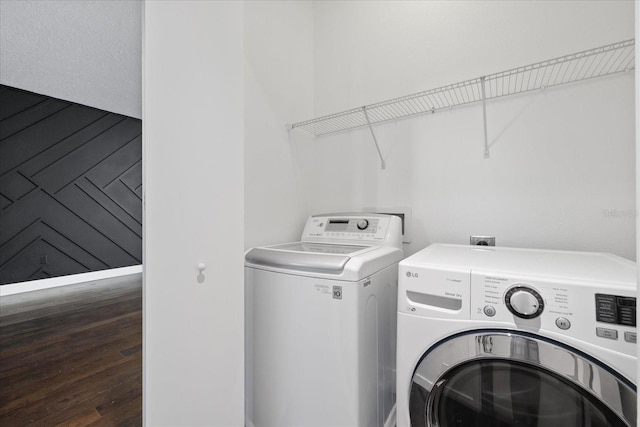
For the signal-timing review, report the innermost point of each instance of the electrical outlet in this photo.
(482, 240)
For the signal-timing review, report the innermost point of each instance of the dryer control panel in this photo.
(587, 296)
(616, 309)
(567, 308)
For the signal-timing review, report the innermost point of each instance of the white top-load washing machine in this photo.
(321, 324)
(513, 337)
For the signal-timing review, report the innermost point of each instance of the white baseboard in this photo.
(72, 279)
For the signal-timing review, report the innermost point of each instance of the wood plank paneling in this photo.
(17, 102)
(70, 188)
(33, 140)
(24, 119)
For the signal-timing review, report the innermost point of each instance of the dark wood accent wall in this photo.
(70, 188)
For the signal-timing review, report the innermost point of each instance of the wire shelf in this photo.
(601, 61)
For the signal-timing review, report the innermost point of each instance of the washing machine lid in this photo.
(306, 256)
(506, 378)
(320, 248)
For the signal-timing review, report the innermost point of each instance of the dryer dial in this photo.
(524, 302)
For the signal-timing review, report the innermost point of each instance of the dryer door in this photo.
(505, 379)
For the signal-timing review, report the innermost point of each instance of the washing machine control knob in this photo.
(524, 302)
(362, 224)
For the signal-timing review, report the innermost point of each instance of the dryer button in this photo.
(489, 310)
(630, 337)
(563, 323)
(607, 333)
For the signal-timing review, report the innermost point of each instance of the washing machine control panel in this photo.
(351, 225)
(381, 229)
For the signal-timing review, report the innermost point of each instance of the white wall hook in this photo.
(202, 266)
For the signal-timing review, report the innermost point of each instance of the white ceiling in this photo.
(89, 52)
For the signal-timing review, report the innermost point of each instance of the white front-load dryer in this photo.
(513, 337)
(321, 325)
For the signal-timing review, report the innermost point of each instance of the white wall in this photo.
(278, 89)
(561, 173)
(87, 51)
(193, 193)
(368, 51)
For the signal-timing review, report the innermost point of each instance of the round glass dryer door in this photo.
(509, 379)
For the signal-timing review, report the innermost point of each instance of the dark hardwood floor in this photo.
(72, 356)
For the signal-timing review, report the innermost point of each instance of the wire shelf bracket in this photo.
(587, 64)
(484, 117)
(375, 140)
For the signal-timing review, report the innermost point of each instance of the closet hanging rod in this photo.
(587, 64)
